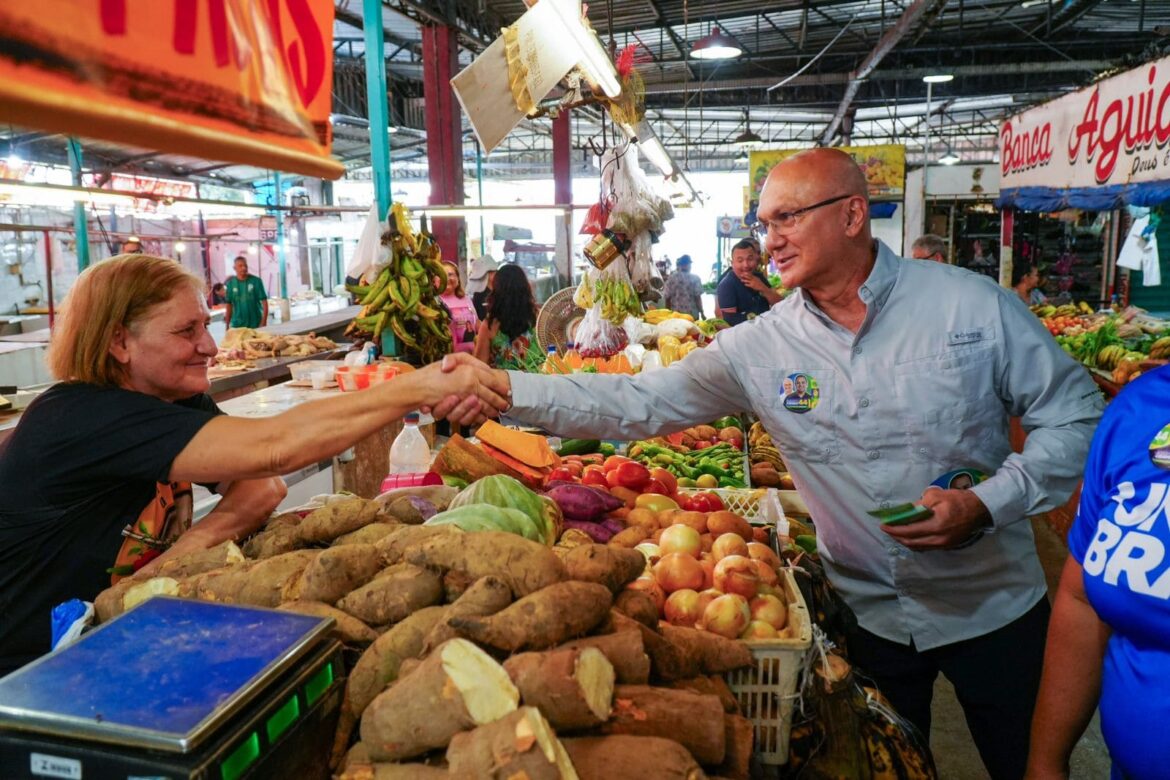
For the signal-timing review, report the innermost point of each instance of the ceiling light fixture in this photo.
(180, 246)
(938, 78)
(950, 158)
(716, 45)
(747, 139)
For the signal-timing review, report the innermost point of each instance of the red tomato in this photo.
(737, 443)
(613, 461)
(594, 477)
(591, 458)
(668, 480)
(685, 503)
(710, 503)
(632, 475)
(575, 467)
(701, 445)
(613, 478)
(562, 473)
(655, 486)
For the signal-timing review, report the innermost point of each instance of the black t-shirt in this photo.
(734, 294)
(82, 464)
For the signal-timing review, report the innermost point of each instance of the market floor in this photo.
(954, 751)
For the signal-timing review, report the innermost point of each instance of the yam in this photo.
(542, 620)
(336, 519)
(519, 745)
(715, 654)
(613, 567)
(724, 522)
(667, 661)
(392, 547)
(455, 584)
(486, 596)
(622, 757)
(712, 685)
(625, 652)
(367, 534)
(638, 604)
(630, 538)
(378, 666)
(525, 565)
(273, 541)
(439, 495)
(572, 687)
(393, 594)
(334, 573)
(132, 591)
(693, 720)
(348, 629)
(571, 538)
(739, 738)
(407, 510)
(258, 583)
(458, 687)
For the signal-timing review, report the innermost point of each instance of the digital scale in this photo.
(177, 689)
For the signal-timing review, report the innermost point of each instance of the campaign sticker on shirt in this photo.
(959, 479)
(1160, 449)
(800, 392)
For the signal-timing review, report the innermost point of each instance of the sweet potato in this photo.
(571, 538)
(667, 660)
(525, 565)
(715, 654)
(638, 605)
(544, 619)
(613, 567)
(393, 594)
(336, 519)
(486, 596)
(739, 738)
(455, 584)
(392, 547)
(258, 583)
(724, 522)
(348, 629)
(694, 721)
(625, 652)
(334, 573)
(367, 534)
(623, 757)
(112, 601)
(630, 537)
(456, 688)
(359, 766)
(378, 666)
(519, 745)
(712, 685)
(273, 541)
(572, 687)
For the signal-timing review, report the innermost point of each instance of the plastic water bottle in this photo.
(410, 453)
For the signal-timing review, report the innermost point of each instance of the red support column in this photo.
(444, 132)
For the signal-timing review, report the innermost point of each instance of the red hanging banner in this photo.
(243, 81)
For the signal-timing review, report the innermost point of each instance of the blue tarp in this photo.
(1117, 196)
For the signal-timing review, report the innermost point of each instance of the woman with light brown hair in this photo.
(96, 477)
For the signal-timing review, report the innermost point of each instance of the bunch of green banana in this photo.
(404, 297)
(1110, 356)
(1043, 310)
(617, 299)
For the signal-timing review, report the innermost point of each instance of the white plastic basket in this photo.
(749, 503)
(767, 690)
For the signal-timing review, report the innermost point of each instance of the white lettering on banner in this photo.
(1113, 132)
(1125, 546)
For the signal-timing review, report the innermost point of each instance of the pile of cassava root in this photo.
(486, 655)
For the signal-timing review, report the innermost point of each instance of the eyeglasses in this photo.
(785, 221)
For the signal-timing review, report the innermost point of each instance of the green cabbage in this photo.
(506, 492)
(485, 517)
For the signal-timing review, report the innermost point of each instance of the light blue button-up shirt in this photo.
(927, 385)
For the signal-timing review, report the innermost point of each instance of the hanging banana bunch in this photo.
(404, 297)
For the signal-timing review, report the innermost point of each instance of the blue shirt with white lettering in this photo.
(1120, 537)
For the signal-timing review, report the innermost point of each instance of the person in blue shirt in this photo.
(1109, 637)
(744, 290)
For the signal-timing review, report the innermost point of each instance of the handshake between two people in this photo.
(465, 390)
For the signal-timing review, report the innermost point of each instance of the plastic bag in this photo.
(68, 621)
(598, 337)
(370, 256)
(595, 219)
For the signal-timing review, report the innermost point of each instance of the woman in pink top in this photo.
(464, 323)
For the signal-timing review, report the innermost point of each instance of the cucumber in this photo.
(579, 447)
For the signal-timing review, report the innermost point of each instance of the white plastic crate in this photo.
(748, 502)
(767, 691)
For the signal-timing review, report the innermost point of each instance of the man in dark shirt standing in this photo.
(745, 289)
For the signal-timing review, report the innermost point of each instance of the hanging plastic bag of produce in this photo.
(370, 257)
(598, 337)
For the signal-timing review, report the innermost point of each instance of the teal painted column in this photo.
(281, 254)
(80, 223)
(376, 105)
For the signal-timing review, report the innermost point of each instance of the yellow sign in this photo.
(884, 168)
(244, 81)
